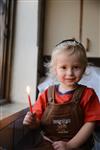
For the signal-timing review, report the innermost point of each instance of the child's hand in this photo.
(61, 145)
(28, 120)
(31, 120)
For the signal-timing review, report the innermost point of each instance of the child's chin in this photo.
(70, 84)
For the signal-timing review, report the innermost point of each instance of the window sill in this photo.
(10, 112)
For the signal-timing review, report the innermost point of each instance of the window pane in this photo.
(2, 41)
(6, 22)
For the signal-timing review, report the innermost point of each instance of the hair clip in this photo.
(69, 41)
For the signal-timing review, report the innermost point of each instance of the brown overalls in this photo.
(61, 121)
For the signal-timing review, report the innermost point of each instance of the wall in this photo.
(24, 71)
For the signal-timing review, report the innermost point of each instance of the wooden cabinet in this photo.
(91, 27)
(12, 130)
(6, 137)
(61, 22)
(78, 19)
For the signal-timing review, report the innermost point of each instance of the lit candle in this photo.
(29, 98)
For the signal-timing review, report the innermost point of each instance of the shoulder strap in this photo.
(78, 93)
(51, 93)
(76, 96)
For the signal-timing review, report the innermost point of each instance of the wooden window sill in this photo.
(11, 112)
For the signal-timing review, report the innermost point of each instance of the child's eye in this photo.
(76, 67)
(63, 67)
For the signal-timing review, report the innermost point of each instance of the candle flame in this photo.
(28, 89)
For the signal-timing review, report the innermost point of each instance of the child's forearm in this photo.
(81, 137)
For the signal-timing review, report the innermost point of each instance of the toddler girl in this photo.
(67, 112)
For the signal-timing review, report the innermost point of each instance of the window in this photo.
(7, 8)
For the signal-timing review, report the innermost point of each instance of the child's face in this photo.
(69, 69)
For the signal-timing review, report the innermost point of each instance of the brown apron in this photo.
(61, 121)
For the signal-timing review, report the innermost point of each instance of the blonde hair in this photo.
(71, 46)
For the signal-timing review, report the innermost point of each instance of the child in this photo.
(69, 117)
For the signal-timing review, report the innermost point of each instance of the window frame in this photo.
(7, 48)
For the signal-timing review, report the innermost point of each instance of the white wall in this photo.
(25, 51)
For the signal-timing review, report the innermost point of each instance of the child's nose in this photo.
(69, 71)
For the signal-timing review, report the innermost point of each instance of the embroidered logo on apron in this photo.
(62, 125)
